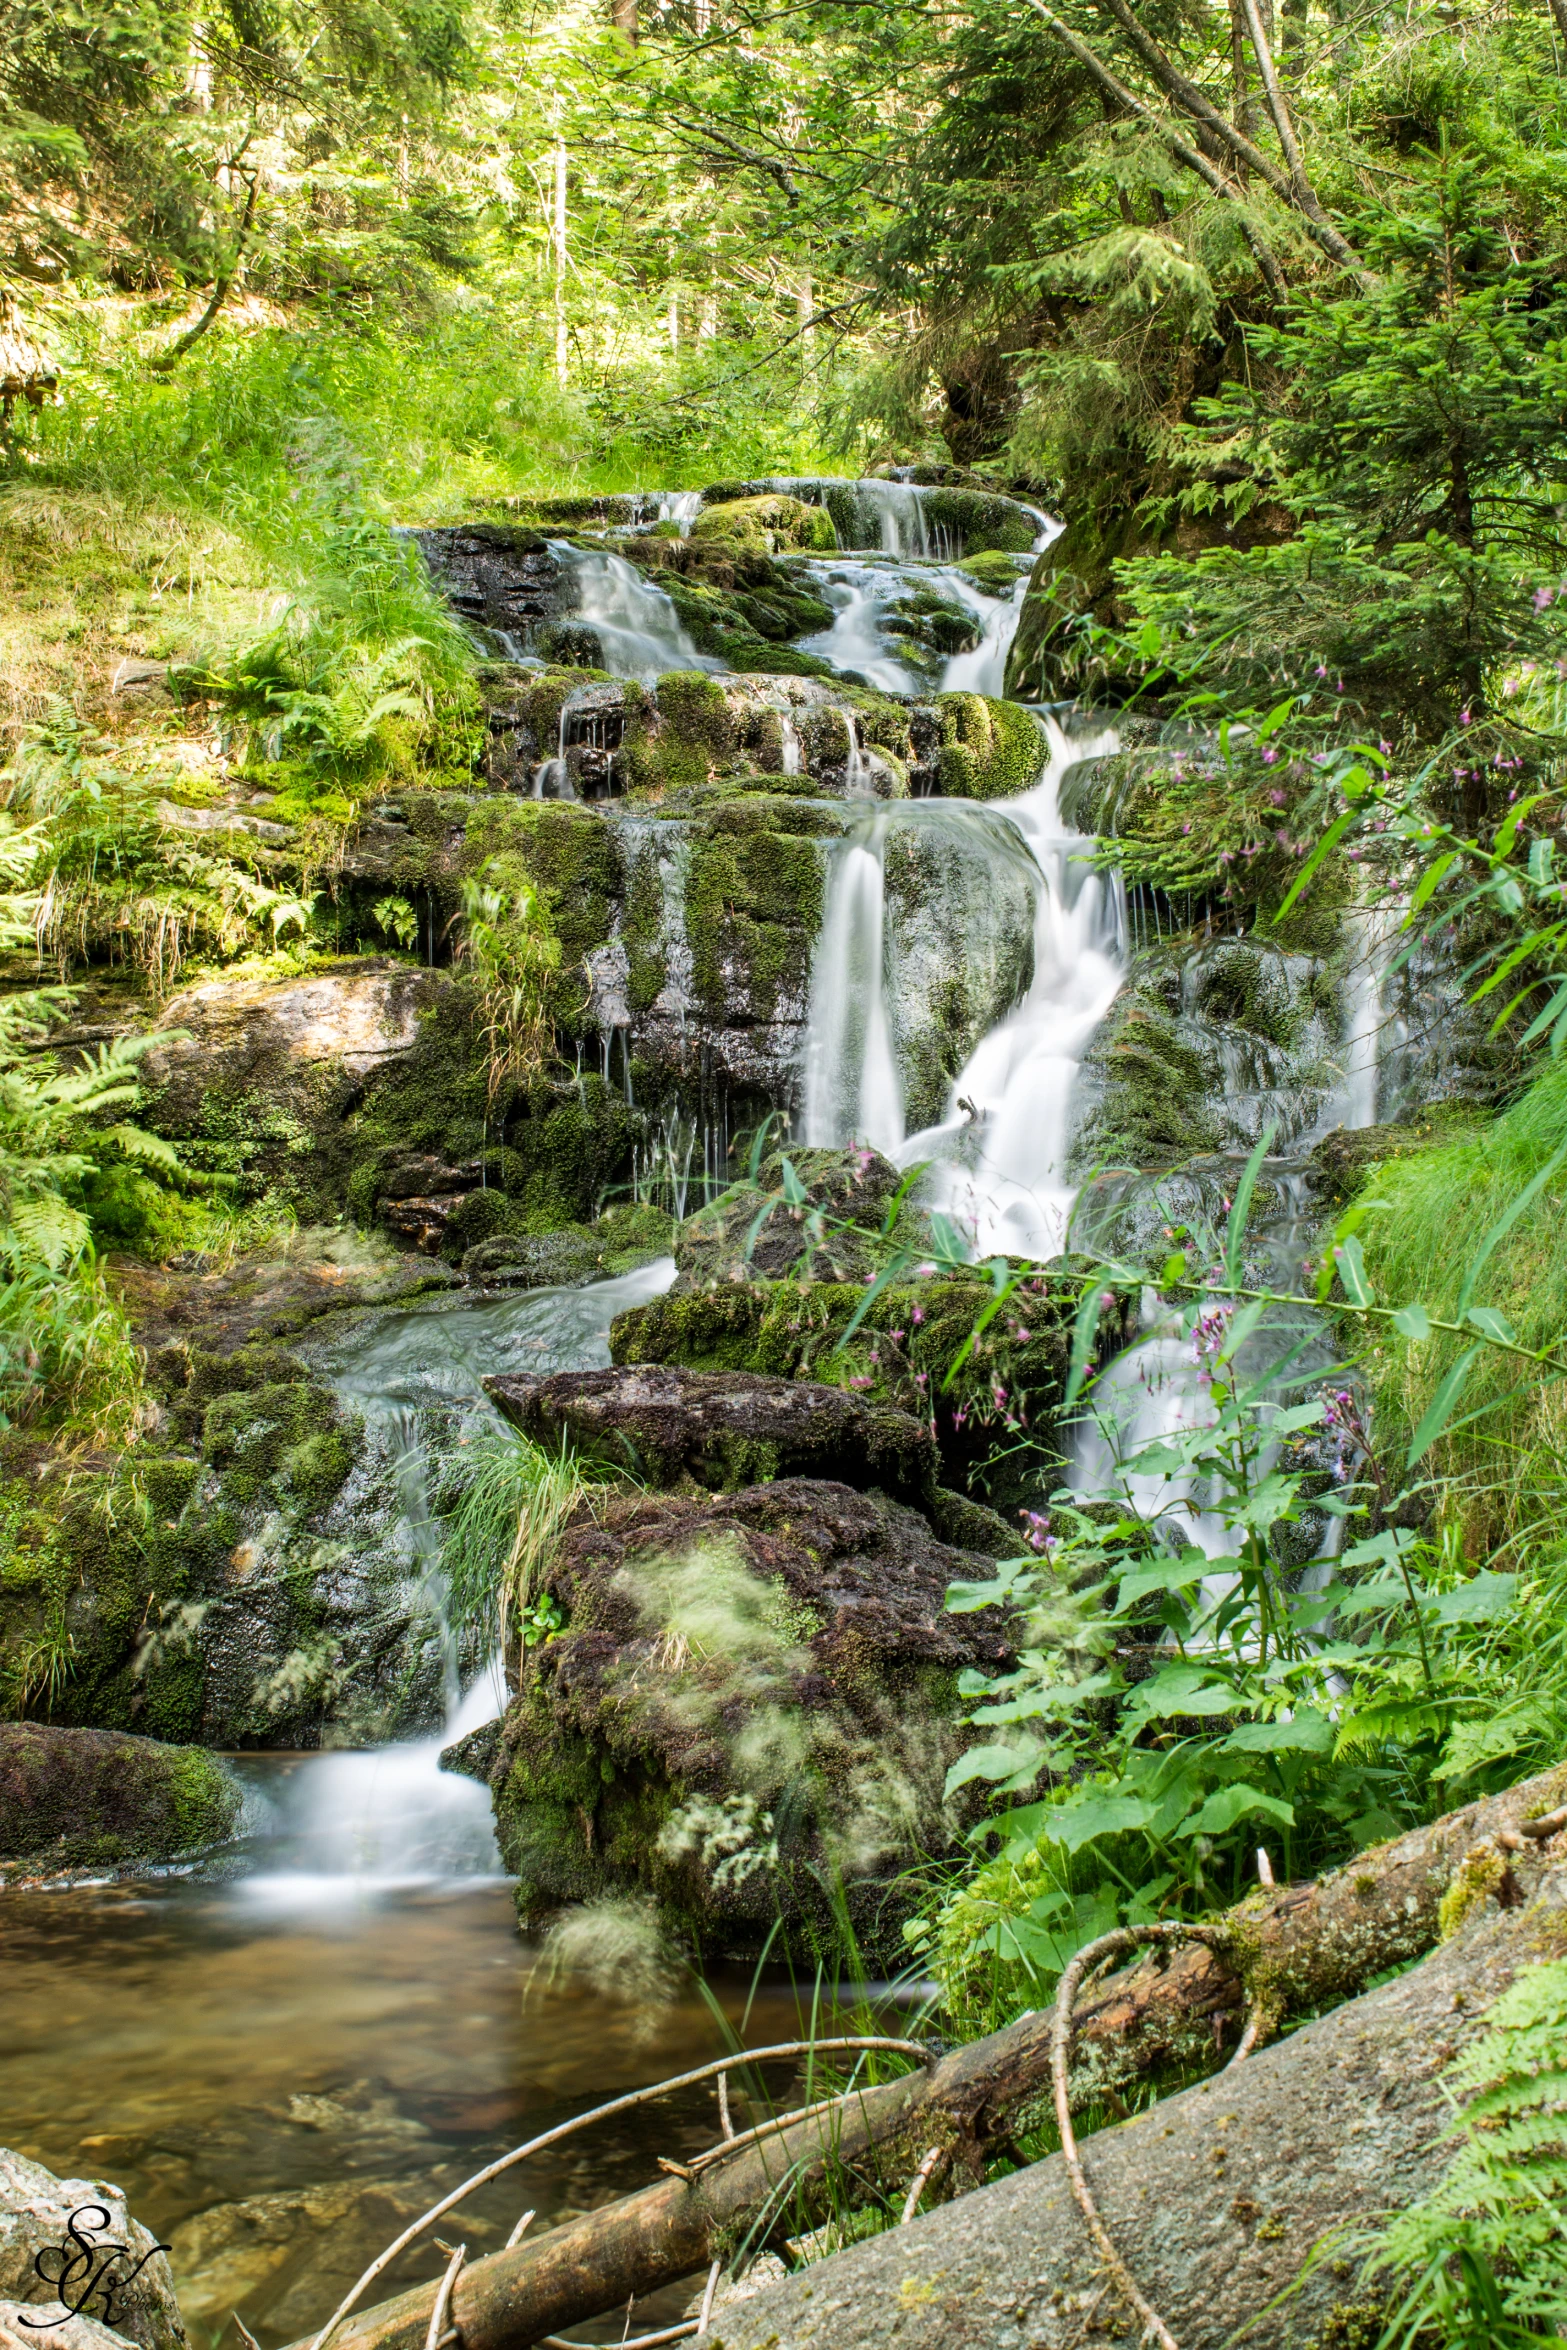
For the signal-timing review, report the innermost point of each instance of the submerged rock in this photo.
(90, 1799)
(721, 1430)
(752, 1705)
(35, 2213)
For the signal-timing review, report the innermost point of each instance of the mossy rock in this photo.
(753, 1700)
(774, 523)
(990, 750)
(669, 1426)
(980, 522)
(619, 1243)
(93, 1799)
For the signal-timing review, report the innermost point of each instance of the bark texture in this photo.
(1214, 2198)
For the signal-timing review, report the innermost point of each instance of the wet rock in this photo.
(752, 1232)
(90, 1799)
(35, 2213)
(287, 2258)
(620, 1242)
(753, 1699)
(1341, 1160)
(720, 1429)
(474, 1757)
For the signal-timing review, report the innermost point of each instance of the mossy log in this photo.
(1215, 2197)
(1236, 2205)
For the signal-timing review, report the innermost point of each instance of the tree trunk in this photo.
(1298, 1949)
(1214, 2199)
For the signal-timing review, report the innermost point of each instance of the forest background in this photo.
(1269, 306)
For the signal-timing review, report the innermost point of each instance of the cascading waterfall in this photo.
(391, 1815)
(637, 626)
(860, 640)
(999, 1154)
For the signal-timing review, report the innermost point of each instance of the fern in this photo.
(1482, 2261)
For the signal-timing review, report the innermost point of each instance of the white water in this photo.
(638, 627)
(999, 1154)
(862, 594)
(345, 1825)
(1372, 1033)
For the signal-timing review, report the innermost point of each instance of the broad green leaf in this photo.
(1308, 1733)
(1014, 1580)
(1184, 1689)
(1352, 1272)
(1229, 1804)
(1493, 1324)
(1414, 1323)
(1166, 1574)
(1080, 1821)
(995, 1763)
(1085, 1330)
(1484, 1597)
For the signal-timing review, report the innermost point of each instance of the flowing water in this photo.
(998, 1153)
(284, 2062)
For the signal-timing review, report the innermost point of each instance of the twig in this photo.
(723, 2106)
(702, 2072)
(713, 2275)
(518, 2232)
(443, 2298)
(929, 2165)
(1538, 1830)
(1093, 1954)
(680, 2333)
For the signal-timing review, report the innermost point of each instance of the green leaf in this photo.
(1479, 1601)
(1017, 1764)
(1184, 1689)
(1414, 1323)
(1501, 1228)
(1085, 1330)
(1085, 1817)
(1227, 1805)
(1235, 1231)
(1308, 1733)
(1167, 1574)
(1441, 1407)
(1351, 1267)
(1493, 1324)
(885, 1278)
(1323, 850)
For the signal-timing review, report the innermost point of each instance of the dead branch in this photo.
(1283, 1953)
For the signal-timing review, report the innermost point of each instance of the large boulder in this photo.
(751, 1232)
(720, 1429)
(747, 1710)
(88, 1799)
(35, 2214)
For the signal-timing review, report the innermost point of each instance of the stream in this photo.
(281, 2063)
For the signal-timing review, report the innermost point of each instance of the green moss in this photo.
(753, 905)
(980, 522)
(73, 1799)
(1476, 1880)
(772, 522)
(570, 855)
(689, 739)
(989, 750)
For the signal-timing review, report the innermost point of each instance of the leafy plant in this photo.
(1481, 2262)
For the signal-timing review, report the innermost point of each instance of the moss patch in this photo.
(989, 750)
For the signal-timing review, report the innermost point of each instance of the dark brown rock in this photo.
(749, 1698)
(721, 1429)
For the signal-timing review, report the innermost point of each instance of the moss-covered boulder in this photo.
(35, 2215)
(990, 750)
(754, 1232)
(622, 1241)
(773, 522)
(669, 1426)
(748, 1713)
(99, 1799)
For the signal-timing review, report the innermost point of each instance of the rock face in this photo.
(751, 1705)
(35, 2213)
(721, 1430)
(88, 1799)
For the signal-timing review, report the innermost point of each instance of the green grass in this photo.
(1501, 1474)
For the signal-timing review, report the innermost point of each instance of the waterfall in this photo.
(852, 1088)
(390, 1815)
(1374, 934)
(639, 631)
(999, 1153)
(864, 594)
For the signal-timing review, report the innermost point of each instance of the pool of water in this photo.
(283, 2069)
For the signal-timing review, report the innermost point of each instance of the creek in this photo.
(282, 2062)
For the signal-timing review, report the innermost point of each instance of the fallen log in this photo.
(1288, 1951)
(1215, 2199)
